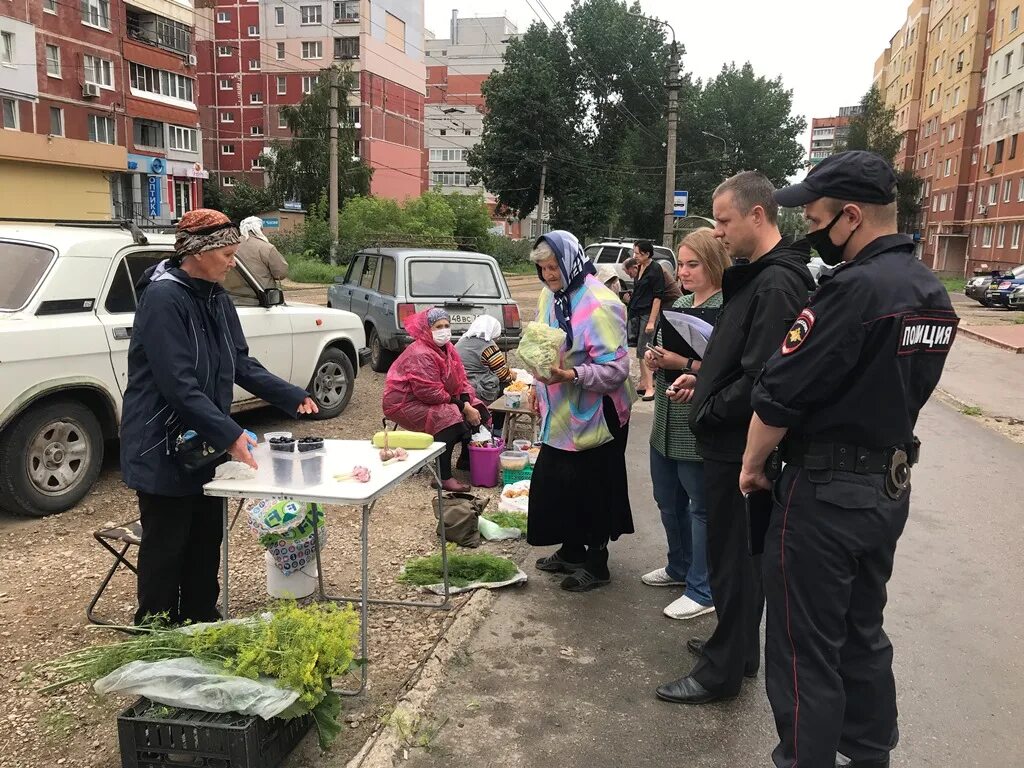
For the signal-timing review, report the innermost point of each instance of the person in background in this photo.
(649, 291)
(677, 471)
(607, 275)
(186, 355)
(632, 269)
(259, 255)
(485, 363)
(579, 496)
(427, 390)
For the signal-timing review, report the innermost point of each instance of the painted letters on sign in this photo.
(926, 334)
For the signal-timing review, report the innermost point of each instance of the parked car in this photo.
(998, 292)
(977, 289)
(67, 305)
(615, 253)
(1017, 298)
(384, 286)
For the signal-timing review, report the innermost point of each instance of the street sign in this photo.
(680, 201)
(154, 197)
(271, 222)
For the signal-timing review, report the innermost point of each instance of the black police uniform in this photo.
(849, 381)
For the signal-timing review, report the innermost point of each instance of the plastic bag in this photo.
(519, 503)
(494, 532)
(194, 684)
(483, 435)
(285, 528)
(234, 470)
(541, 348)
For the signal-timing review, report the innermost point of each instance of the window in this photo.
(227, 117)
(347, 10)
(183, 138)
(256, 130)
(254, 30)
(280, 51)
(346, 47)
(1006, 190)
(96, 13)
(1020, 97)
(53, 61)
(956, 98)
(1014, 19)
(1004, 107)
(1013, 146)
(282, 85)
(448, 155)
(223, 50)
(182, 197)
(101, 129)
(369, 272)
(999, 151)
(50, 6)
(387, 276)
(966, 23)
(311, 14)
(11, 117)
(282, 121)
(56, 121)
(970, 196)
(468, 132)
(394, 31)
(986, 236)
(7, 48)
(1001, 236)
(1015, 237)
(223, 17)
(450, 178)
(98, 71)
(312, 49)
(308, 81)
(146, 133)
(161, 82)
(1020, 190)
(225, 83)
(279, 16)
(228, 181)
(352, 116)
(436, 277)
(942, 202)
(949, 165)
(993, 190)
(255, 98)
(254, 65)
(227, 149)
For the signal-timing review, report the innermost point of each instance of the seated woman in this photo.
(485, 364)
(427, 390)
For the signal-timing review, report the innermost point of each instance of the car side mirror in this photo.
(273, 297)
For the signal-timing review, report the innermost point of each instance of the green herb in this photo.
(508, 520)
(462, 569)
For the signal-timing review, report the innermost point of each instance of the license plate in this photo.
(462, 318)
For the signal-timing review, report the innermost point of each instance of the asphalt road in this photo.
(567, 680)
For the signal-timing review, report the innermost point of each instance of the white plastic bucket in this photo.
(300, 584)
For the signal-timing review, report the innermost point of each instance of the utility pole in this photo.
(540, 200)
(332, 192)
(668, 236)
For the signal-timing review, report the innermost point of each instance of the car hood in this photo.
(332, 319)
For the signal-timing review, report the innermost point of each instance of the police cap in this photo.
(855, 176)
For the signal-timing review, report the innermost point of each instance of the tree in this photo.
(874, 129)
(246, 199)
(472, 220)
(299, 168)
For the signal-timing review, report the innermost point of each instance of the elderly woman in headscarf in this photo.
(485, 364)
(427, 390)
(187, 353)
(259, 255)
(578, 496)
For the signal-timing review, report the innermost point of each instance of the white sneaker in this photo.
(660, 578)
(685, 608)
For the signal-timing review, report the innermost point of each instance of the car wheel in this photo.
(380, 357)
(332, 383)
(49, 458)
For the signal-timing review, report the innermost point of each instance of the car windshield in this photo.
(23, 267)
(441, 277)
(1018, 271)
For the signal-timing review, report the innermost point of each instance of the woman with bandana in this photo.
(187, 353)
(579, 496)
(427, 390)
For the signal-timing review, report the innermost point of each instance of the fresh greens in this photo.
(508, 520)
(462, 569)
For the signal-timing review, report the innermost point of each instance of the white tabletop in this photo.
(274, 480)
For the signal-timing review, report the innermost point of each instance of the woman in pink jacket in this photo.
(427, 389)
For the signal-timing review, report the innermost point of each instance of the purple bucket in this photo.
(484, 465)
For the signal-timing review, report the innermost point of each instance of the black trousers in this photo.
(828, 662)
(179, 557)
(735, 645)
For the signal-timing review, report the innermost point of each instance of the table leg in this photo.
(224, 560)
(364, 602)
(444, 539)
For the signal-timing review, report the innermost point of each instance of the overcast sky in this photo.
(824, 50)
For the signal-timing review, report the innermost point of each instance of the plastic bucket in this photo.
(484, 465)
(301, 583)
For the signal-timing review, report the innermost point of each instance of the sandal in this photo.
(583, 580)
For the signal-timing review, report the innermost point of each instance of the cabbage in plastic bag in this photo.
(540, 348)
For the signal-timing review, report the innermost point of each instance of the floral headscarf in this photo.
(204, 229)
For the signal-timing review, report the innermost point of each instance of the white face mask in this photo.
(442, 336)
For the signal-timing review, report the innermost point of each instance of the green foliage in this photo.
(509, 253)
(954, 284)
(213, 195)
(316, 233)
(472, 220)
(429, 217)
(301, 270)
(508, 520)
(246, 199)
(462, 569)
(792, 222)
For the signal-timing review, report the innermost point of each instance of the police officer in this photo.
(842, 396)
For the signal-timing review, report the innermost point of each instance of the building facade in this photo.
(99, 110)
(828, 134)
(257, 56)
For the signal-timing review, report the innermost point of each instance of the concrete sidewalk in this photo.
(984, 376)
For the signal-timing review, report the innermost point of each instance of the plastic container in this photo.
(307, 444)
(268, 436)
(513, 399)
(283, 444)
(291, 586)
(510, 476)
(514, 460)
(484, 464)
(533, 453)
(522, 445)
(312, 463)
(284, 468)
(152, 736)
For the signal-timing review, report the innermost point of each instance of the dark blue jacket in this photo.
(187, 353)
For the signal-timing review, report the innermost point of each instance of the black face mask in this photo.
(822, 243)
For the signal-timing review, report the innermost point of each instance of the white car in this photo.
(67, 305)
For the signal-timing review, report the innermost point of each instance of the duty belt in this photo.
(844, 457)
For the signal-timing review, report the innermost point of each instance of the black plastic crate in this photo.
(154, 736)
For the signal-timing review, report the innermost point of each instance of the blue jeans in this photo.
(679, 493)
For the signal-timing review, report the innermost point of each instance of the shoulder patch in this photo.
(926, 333)
(799, 332)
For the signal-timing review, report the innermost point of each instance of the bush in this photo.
(512, 255)
(302, 270)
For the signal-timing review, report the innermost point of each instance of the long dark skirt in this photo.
(581, 497)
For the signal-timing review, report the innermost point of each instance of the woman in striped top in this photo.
(677, 472)
(484, 362)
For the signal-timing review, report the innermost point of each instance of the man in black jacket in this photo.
(763, 293)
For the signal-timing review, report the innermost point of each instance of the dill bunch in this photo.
(462, 569)
(508, 520)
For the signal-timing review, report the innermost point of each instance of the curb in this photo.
(953, 400)
(972, 334)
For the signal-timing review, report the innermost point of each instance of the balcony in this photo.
(159, 32)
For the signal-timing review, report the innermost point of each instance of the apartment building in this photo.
(99, 112)
(902, 77)
(828, 134)
(257, 56)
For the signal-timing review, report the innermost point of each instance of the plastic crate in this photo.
(509, 476)
(154, 736)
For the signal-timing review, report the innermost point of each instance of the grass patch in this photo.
(508, 520)
(519, 268)
(954, 284)
(462, 569)
(971, 410)
(303, 271)
(1018, 320)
